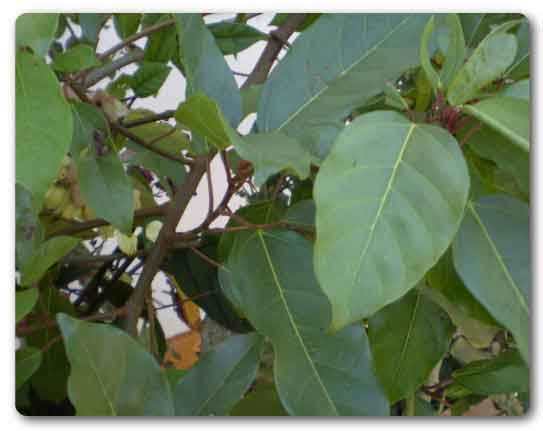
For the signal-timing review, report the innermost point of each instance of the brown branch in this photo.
(146, 32)
(148, 119)
(273, 48)
(143, 143)
(96, 75)
(180, 202)
(78, 227)
(209, 190)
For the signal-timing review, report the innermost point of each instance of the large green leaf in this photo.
(507, 115)
(36, 30)
(389, 197)
(407, 339)
(233, 37)
(261, 401)
(44, 256)
(477, 25)
(205, 68)
(43, 128)
(75, 59)
(492, 256)
(104, 185)
(111, 373)
(335, 66)
(220, 378)
(521, 66)
(454, 54)
(270, 275)
(488, 62)
(506, 373)
(24, 302)
(27, 362)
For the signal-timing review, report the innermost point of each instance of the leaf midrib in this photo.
(292, 322)
(382, 203)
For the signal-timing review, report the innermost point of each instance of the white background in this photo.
(9, 13)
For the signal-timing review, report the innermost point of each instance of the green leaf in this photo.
(249, 98)
(27, 362)
(507, 115)
(521, 66)
(220, 378)
(126, 24)
(50, 380)
(24, 302)
(447, 290)
(488, 62)
(46, 254)
(454, 55)
(393, 98)
(301, 213)
(161, 45)
(272, 152)
(43, 125)
(174, 376)
(270, 275)
(233, 37)
(511, 158)
(506, 373)
(280, 18)
(91, 24)
(205, 68)
(492, 256)
(477, 25)
(407, 339)
(149, 78)
(203, 116)
(77, 58)
(262, 401)
(36, 30)
(385, 213)
(269, 152)
(335, 66)
(199, 279)
(111, 373)
(518, 90)
(28, 230)
(102, 178)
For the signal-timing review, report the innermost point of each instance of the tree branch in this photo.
(180, 202)
(146, 32)
(78, 227)
(273, 48)
(149, 119)
(136, 139)
(100, 73)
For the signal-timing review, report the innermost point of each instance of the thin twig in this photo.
(146, 32)
(205, 257)
(209, 189)
(148, 119)
(137, 140)
(96, 75)
(78, 227)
